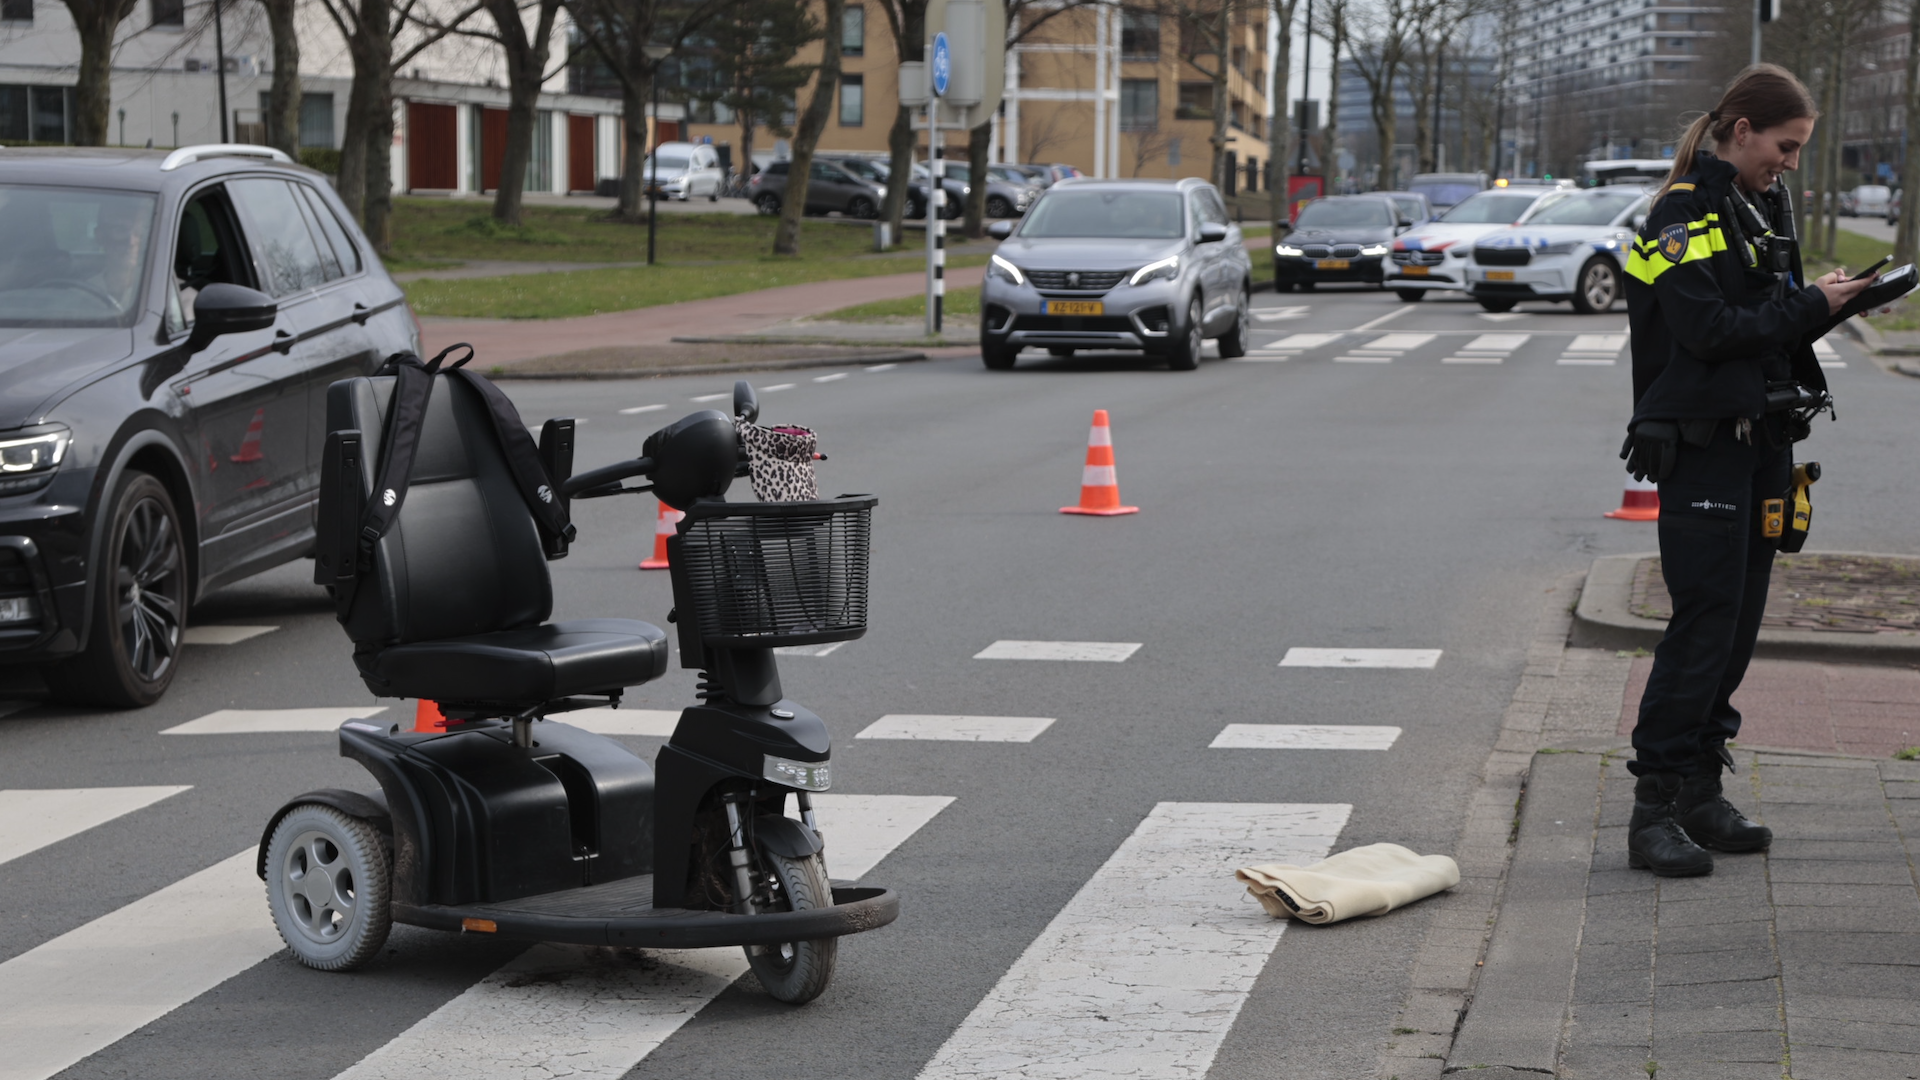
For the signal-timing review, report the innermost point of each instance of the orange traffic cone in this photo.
(663, 527)
(1099, 489)
(1640, 503)
(250, 443)
(426, 717)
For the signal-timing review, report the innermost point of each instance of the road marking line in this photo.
(712, 397)
(1502, 316)
(1501, 343)
(879, 367)
(1303, 341)
(1275, 314)
(1366, 326)
(1261, 359)
(256, 721)
(1473, 358)
(1100, 651)
(1356, 359)
(1304, 737)
(95, 985)
(653, 722)
(1398, 342)
(1584, 361)
(835, 377)
(1143, 972)
(32, 818)
(593, 1014)
(775, 388)
(1824, 349)
(1357, 658)
(222, 635)
(1606, 343)
(641, 409)
(1833, 363)
(957, 728)
(808, 650)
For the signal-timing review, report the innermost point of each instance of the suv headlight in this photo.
(1000, 267)
(28, 462)
(1168, 268)
(1564, 247)
(1287, 252)
(1374, 250)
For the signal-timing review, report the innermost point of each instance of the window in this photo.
(1139, 104)
(853, 100)
(316, 120)
(288, 254)
(169, 12)
(344, 252)
(1139, 35)
(1196, 101)
(20, 11)
(853, 31)
(540, 162)
(72, 256)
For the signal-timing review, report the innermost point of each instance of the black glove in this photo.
(1651, 448)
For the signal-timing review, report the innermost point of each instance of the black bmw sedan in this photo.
(1338, 238)
(169, 323)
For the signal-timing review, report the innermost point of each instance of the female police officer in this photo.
(1722, 320)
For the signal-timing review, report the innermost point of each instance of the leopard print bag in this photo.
(780, 462)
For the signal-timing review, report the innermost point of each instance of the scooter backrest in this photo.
(464, 555)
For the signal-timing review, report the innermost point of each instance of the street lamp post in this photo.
(655, 53)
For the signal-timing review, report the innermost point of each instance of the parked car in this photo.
(1039, 176)
(1058, 172)
(877, 171)
(1434, 256)
(169, 323)
(1867, 200)
(1337, 238)
(830, 189)
(1575, 250)
(685, 170)
(1004, 199)
(1445, 189)
(1153, 266)
(1414, 208)
(1637, 172)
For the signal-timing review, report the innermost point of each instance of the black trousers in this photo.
(1717, 565)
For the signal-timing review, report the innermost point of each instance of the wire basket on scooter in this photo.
(777, 573)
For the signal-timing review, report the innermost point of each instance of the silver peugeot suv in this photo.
(1147, 265)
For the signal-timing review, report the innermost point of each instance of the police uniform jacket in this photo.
(1710, 326)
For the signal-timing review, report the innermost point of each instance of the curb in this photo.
(1882, 353)
(714, 369)
(1603, 620)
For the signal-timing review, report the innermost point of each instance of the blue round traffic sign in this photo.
(942, 64)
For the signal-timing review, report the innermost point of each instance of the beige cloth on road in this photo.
(1370, 880)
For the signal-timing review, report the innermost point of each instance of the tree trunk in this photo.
(900, 164)
(96, 21)
(1907, 238)
(1385, 127)
(1836, 103)
(526, 60)
(633, 155)
(1329, 140)
(379, 223)
(806, 136)
(746, 149)
(1421, 85)
(363, 96)
(283, 97)
(1281, 153)
(977, 139)
(1222, 97)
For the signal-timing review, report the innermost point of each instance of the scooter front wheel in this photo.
(796, 972)
(329, 884)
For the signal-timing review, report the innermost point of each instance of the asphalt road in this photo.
(1384, 501)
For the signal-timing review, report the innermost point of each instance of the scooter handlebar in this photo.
(606, 474)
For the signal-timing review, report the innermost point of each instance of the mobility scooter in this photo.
(437, 518)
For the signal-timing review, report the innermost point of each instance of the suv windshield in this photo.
(1139, 215)
(1445, 194)
(71, 256)
(1490, 208)
(1596, 208)
(1346, 213)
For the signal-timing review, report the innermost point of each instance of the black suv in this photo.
(169, 324)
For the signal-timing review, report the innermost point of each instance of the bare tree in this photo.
(283, 96)
(1907, 239)
(1206, 30)
(786, 235)
(1379, 58)
(96, 21)
(1280, 132)
(1149, 144)
(907, 19)
(1024, 17)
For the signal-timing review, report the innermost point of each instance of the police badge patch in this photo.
(1673, 242)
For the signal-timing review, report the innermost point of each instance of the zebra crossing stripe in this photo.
(1143, 972)
(1304, 737)
(593, 1014)
(31, 819)
(957, 728)
(1112, 652)
(1361, 658)
(97, 984)
(259, 721)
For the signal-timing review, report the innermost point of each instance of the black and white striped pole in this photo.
(939, 75)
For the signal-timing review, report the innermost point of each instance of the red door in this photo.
(580, 156)
(493, 147)
(433, 149)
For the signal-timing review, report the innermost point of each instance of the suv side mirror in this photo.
(222, 309)
(1000, 230)
(1212, 232)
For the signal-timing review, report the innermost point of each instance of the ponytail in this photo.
(1765, 95)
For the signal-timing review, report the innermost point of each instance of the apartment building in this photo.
(1111, 90)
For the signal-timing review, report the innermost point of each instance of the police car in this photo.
(1575, 249)
(1434, 256)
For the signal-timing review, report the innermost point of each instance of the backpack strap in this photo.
(523, 458)
(406, 417)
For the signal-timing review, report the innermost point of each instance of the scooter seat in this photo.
(532, 664)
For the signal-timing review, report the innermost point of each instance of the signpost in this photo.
(939, 77)
(965, 68)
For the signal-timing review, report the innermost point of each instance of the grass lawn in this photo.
(593, 292)
(1856, 252)
(426, 230)
(965, 301)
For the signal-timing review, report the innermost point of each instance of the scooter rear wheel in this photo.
(796, 972)
(329, 886)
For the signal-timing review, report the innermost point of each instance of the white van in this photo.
(686, 170)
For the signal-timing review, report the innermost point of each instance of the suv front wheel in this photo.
(139, 603)
(1185, 350)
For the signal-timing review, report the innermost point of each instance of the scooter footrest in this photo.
(609, 915)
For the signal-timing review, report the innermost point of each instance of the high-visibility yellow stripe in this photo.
(1645, 264)
(1679, 187)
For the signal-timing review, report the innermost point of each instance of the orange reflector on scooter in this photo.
(479, 926)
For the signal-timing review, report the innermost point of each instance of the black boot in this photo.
(1709, 818)
(1655, 840)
